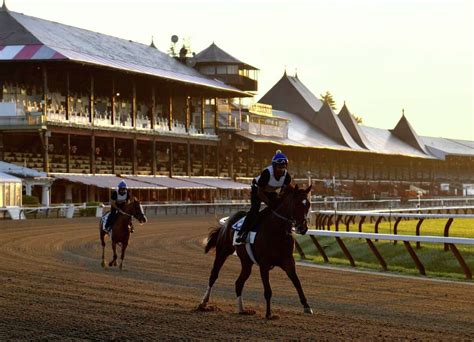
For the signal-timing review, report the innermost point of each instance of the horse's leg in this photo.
(102, 242)
(114, 249)
(124, 247)
(265, 274)
(290, 270)
(239, 285)
(218, 263)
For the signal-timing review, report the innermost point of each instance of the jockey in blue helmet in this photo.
(120, 197)
(264, 189)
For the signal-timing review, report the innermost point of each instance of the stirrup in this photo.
(241, 238)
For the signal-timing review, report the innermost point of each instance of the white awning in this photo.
(220, 183)
(105, 181)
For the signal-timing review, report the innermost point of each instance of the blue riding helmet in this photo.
(122, 185)
(279, 158)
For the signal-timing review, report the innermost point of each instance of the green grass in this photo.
(436, 261)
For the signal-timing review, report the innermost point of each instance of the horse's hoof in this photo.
(248, 312)
(308, 311)
(104, 265)
(272, 317)
(204, 308)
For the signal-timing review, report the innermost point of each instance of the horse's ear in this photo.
(308, 189)
(296, 187)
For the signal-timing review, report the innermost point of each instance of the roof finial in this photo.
(4, 6)
(152, 43)
(296, 72)
(284, 74)
(403, 112)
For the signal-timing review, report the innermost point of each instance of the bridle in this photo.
(290, 219)
(131, 216)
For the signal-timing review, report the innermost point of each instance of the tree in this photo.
(358, 119)
(327, 98)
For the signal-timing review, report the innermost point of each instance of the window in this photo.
(221, 69)
(232, 69)
(207, 70)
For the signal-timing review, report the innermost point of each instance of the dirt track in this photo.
(52, 287)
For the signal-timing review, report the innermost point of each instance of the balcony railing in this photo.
(239, 81)
(265, 130)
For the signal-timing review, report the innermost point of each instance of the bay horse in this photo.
(273, 246)
(120, 230)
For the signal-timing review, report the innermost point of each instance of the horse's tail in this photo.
(222, 234)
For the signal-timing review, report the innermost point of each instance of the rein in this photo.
(291, 221)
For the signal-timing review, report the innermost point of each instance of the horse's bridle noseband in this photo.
(289, 220)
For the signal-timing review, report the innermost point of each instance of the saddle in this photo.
(253, 231)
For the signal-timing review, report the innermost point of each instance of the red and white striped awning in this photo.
(28, 52)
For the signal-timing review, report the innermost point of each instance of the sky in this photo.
(379, 56)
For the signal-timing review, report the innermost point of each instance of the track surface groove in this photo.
(52, 287)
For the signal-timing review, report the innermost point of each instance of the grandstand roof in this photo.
(291, 95)
(303, 134)
(314, 124)
(441, 147)
(353, 127)
(28, 38)
(215, 55)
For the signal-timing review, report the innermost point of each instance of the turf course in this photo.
(437, 262)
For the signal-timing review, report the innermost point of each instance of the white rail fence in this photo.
(449, 242)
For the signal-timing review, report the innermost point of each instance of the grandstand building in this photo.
(85, 107)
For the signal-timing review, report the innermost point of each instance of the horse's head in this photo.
(298, 207)
(137, 211)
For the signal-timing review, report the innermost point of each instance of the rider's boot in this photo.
(242, 237)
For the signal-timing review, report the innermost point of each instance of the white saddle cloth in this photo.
(103, 221)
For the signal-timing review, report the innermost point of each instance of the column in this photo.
(45, 195)
(68, 193)
(91, 102)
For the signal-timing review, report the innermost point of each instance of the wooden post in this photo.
(45, 89)
(216, 119)
(153, 156)
(68, 153)
(112, 119)
(153, 112)
(203, 113)
(134, 104)
(46, 135)
(113, 156)
(92, 155)
(67, 96)
(171, 160)
(91, 101)
(170, 113)
(187, 122)
(188, 159)
(134, 156)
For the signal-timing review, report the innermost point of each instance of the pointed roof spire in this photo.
(215, 55)
(405, 132)
(284, 74)
(4, 6)
(296, 72)
(353, 128)
(152, 43)
(331, 125)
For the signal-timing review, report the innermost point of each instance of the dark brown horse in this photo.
(273, 246)
(120, 230)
